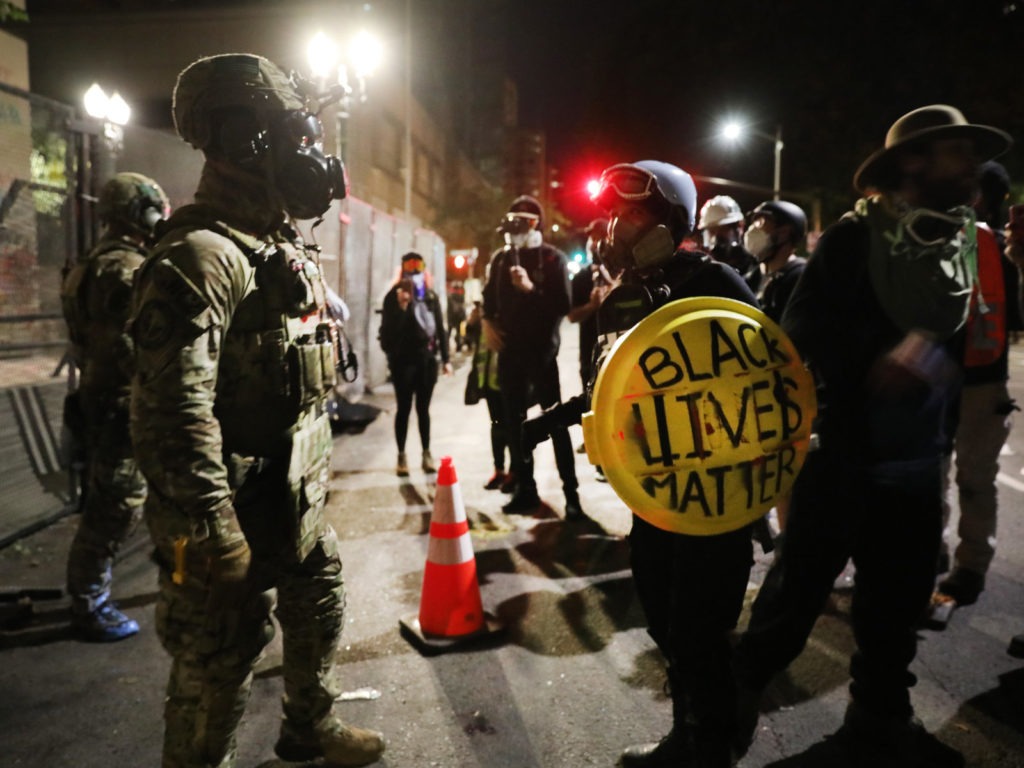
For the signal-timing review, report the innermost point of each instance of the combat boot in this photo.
(106, 624)
(344, 746)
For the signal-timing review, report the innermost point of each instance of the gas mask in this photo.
(519, 229)
(929, 228)
(306, 178)
(720, 238)
(628, 248)
(759, 243)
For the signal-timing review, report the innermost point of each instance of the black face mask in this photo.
(306, 178)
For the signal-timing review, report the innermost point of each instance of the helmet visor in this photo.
(627, 181)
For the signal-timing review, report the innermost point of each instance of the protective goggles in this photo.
(518, 222)
(299, 129)
(627, 181)
(414, 265)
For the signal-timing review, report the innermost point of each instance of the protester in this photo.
(482, 384)
(412, 336)
(691, 587)
(877, 314)
(774, 232)
(589, 287)
(985, 403)
(525, 298)
(234, 364)
(95, 296)
(721, 227)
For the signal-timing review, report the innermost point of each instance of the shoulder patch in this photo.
(155, 324)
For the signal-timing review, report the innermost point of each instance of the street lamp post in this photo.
(734, 131)
(332, 71)
(102, 141)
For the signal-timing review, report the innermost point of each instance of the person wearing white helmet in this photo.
(721, 225)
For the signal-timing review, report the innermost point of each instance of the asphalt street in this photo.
(571, 681)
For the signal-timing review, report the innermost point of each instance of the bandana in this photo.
(921, 286)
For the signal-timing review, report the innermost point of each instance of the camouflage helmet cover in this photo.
(132, 201)
(229, 80)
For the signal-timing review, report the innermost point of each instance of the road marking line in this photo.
(1017, 485)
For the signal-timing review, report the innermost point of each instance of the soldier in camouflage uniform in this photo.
(235, 358)
(95, 295)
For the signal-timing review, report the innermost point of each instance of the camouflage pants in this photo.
(114, 497)
(212, 662)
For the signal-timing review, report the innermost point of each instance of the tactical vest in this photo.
(94, 300)
(281, 349)
(74, 294)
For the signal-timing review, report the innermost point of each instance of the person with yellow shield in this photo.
(690, 542)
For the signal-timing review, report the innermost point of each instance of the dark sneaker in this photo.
(963, 586)
(104, 625)
(673, 751)
(508, 485)
(522, 504)
(339, 744)
(573, 510)
(496, 481)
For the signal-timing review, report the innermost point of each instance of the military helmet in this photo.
(132, 201)
(229, 80)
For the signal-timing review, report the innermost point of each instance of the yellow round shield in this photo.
(701, 416)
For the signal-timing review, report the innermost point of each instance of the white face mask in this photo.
(758, 242)
(531, 239)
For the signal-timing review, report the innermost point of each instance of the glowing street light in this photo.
(113, 109)
(733, 131)
(331, 70)
(366, 52)
(593, 187)
(323, 55)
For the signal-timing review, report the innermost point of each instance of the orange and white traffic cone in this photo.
(450, 608)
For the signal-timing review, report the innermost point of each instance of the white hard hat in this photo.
(719, 211)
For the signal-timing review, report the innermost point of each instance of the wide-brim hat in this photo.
(937, 121)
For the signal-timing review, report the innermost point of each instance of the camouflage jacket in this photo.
(234, 361)
(96, 298)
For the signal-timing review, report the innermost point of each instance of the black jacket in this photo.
(529, 321)
(402, 337)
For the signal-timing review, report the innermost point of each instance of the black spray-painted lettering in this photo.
(708, 489)
(723, 350)
(762, 408)
(667, 457)
(792, 414)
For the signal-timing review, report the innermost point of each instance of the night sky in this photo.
(632, 79)
(618, 80)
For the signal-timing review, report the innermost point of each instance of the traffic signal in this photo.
(460, 264)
